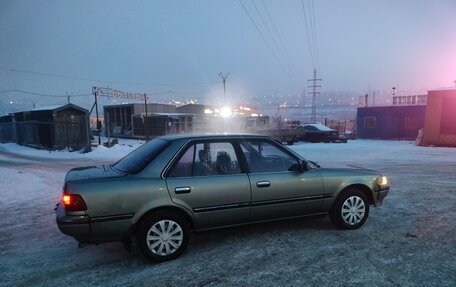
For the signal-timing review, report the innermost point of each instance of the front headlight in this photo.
(382, 180)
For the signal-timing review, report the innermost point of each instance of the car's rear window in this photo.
(135, 161)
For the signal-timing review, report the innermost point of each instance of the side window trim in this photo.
(193, 159)
(241, 157)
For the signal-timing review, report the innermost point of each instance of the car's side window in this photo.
(262, 156)
(204, 159)
(310, 128)
(185, 164)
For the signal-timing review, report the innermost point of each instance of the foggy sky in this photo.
(181, 46)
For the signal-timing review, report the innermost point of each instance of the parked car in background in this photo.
(173, 185)
(318, 133)
(288, 136)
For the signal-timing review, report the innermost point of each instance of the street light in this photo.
(223, 77)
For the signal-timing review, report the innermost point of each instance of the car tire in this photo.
(350, 210)
(163, 236)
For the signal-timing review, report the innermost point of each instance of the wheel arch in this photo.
(174, 209)
(361, 187)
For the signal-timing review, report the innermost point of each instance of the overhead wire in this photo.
(89, 94)
(272, 37)
(281, 39)
(102, 81)
(44, 95)
(314, 29)
(264, 40)
(309, 39)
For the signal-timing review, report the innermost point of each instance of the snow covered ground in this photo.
(409, 241)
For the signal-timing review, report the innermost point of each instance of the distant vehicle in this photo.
(288, 136)
(318, 133)
(173, 185)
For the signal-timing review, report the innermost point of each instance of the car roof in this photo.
(318, 126)
(213, 136)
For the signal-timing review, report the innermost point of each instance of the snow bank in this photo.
(99, 152)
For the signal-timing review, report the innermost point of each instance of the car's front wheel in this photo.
(163, 236)
(350, 210)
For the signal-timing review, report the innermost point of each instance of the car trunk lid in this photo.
(92, 172)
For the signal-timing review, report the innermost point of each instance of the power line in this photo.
(100, 81)
(280, 39)
(264, 39)
(309, 40)
(43, 95)
(89, 94)
(314, 28)
(291, 68)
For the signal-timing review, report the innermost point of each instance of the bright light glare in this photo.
(226, 112)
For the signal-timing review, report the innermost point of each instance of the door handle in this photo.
(263, 184)
(184, 189)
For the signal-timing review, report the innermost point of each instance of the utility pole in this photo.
(95, 92)
(223, 77)
(146, 132)
(314, 94)
(395, 100)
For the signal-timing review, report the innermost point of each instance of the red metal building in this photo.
(440, 119)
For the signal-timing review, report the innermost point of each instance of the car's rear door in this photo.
(279, 187)
(207, 179)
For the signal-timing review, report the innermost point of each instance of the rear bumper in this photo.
(93, 229)
(77, 226)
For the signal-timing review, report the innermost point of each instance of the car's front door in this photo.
(279, 187)
(207, 179)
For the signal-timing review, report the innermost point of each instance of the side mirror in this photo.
(303, 165)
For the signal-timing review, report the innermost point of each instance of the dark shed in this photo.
(7, 132)
(53, 127)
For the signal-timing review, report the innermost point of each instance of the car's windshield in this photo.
(135, 161)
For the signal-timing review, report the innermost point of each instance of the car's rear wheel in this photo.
(350, 210)
(163, 236)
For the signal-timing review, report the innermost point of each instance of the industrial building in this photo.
(127, 120)
(401, 121)
(440, 123)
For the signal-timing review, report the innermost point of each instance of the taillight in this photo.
(73, 202)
